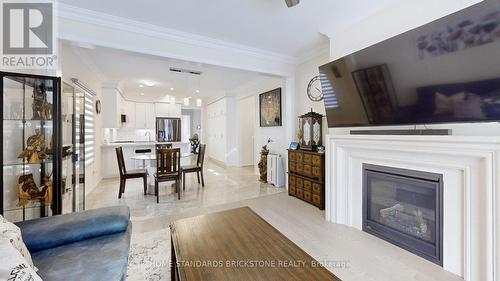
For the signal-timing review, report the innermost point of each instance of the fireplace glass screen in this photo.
(404, 207)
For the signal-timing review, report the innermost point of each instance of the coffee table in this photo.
(238, 245)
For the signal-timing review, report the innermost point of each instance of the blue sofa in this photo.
(90, 245)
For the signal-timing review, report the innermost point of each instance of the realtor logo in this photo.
(27, 34)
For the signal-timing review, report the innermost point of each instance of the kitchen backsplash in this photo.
(128, 134)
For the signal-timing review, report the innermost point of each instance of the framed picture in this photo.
(270, 108)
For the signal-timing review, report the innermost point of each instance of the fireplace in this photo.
(405, 208)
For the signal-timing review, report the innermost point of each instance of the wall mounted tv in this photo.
(447, 71)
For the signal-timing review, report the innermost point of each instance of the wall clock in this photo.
(314, 91)
(98, 106)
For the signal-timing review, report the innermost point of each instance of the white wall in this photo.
(262, 134)
(394, 19)
(305, 72)
(74, 66)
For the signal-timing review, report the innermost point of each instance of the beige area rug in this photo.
(149, 258)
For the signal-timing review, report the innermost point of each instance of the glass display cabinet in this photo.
(73, 139)
(32, 150)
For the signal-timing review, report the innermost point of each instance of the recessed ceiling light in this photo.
(142, 94)
(197, 91)
(141, 86)
(149, 83)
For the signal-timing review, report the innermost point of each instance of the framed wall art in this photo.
(270, 108)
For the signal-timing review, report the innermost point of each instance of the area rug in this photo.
(149, 257)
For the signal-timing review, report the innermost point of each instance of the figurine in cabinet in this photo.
(27, 190)
(35, 148)
(42, 109)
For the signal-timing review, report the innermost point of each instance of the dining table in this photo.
(149, 163)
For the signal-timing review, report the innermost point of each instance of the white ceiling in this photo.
(264, 24)
(129, 70)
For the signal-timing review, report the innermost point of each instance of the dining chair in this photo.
(132, 174)
(197, 168)
(168, 168)
(163, 146)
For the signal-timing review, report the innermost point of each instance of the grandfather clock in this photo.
(311, 128)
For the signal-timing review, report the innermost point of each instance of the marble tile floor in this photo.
(351, 254)
(222, 185)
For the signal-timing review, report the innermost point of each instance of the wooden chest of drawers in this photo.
(306, 176)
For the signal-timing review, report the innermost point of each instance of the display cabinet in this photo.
(73, 147)
(32, 150)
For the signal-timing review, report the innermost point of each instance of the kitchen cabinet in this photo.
(145, 117)
(140, 115)
(129, 110)
(168, 110)
(111, 108)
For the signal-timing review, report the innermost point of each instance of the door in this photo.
(246, 131)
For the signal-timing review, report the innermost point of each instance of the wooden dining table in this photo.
(238, 245)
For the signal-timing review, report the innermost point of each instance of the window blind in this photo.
(89, 129)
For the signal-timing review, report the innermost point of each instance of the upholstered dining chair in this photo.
(132, 174)
(168, 168)
(197, 168)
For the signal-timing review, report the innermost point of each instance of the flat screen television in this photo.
(447, 71)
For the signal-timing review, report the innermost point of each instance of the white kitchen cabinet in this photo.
(150, 116)
(145, 115)
(111, 108)
(129, 111)
(140, 115)
(175, 110)
(168, 110)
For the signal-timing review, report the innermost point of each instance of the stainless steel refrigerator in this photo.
(168, 129)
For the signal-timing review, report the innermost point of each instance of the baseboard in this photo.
(218, 162)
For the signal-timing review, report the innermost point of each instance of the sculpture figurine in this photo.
(35, 148)
(263, 162)
(195, 142)
(42, 109)
(27, 190)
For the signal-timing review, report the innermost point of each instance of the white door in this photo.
(246, 130)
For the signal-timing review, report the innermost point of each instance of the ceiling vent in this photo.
(187, 71)
(291, 3)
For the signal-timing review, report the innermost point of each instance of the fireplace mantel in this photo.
(471, 171)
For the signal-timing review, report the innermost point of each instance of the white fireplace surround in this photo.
(471, 175)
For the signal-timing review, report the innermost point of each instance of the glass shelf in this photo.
(30, 111)
(27, 164)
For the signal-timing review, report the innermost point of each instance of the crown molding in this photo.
(320, 51)
(101, 19)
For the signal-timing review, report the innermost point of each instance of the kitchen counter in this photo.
(139, 143)
(108, 154)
